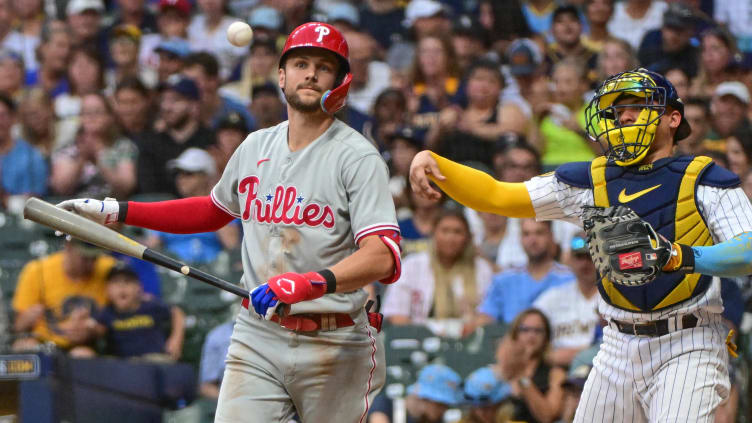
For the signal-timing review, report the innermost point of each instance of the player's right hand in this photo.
(264, 301)
(101, 211)
(423, 165)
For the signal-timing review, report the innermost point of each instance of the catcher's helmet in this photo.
(327, 37)
(628, 144)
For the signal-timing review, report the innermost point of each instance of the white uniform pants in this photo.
(272, 372)
(678, 377)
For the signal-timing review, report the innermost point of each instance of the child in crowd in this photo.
(138, 325)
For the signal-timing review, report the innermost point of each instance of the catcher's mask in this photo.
(628, 144)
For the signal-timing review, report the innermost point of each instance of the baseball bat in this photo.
(86, 230)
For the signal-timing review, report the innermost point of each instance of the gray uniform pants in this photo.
(326, 376)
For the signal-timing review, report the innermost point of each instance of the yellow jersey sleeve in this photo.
(480, 191)
(28, 288)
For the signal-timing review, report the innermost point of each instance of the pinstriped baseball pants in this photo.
(678, 377)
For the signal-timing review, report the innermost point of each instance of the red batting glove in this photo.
(293, 288)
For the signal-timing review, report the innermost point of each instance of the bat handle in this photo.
(169, 262)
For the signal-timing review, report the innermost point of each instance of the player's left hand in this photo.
(627, 250)
(287, 288)
(264, 301)
(103, 212)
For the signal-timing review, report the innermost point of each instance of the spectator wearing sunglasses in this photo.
(522, 358)
(572, 308)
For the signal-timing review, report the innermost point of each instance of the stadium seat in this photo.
(18, 238)
(473, 351)
(9, 270)
(407, 349)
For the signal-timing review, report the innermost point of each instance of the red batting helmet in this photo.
(321, 35)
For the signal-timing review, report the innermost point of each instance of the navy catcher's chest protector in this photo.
(663, 194)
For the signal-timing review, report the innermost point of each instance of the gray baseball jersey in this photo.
(306, 210)
(303, 211)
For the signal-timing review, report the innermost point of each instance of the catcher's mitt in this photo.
(624, 248)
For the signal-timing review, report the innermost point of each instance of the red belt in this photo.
(310, 322)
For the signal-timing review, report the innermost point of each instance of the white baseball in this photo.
(239, 34)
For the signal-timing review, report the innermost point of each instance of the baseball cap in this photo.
(79, 6)
(233, 120)
(579, 245)
(175, 46)
(265, 88)
(265, 17)
(482, 387)
(128, 31)
(182, 6)
(524, 57)
(268, 43)
(566, 9)
(343, 12)
(580, 367)
(733, 88)
(418, 9)
(679, 15)
(409, 134)
(181, 85)
(84, 248)
(194, 160)
(122, 269)
(468, 27)
(437, 382)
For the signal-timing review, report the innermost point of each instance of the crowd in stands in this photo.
(131, 98)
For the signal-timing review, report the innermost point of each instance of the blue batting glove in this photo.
(263, 298)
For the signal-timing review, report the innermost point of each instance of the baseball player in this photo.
(319, 224)
(663, 356)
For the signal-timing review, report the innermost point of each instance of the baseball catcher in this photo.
(663, 230)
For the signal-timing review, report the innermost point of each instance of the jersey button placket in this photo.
(285, 168)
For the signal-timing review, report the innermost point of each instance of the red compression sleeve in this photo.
(184, 216)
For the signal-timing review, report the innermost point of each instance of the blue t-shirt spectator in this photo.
(62, 87)
(23, 170)
(194, 248)
(214, 352)
(514, 290)
(133, 334)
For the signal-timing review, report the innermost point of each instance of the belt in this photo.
(655, 327)
(310, 322)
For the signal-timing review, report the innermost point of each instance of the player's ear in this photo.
(281, 74)
(674, 119)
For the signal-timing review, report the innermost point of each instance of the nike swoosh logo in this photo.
(261, 161)
(625, 198)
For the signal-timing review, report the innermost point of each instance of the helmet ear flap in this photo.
(335, 99)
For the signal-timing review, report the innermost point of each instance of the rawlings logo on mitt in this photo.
(624, 248)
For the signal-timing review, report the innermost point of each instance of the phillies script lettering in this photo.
(285, 206)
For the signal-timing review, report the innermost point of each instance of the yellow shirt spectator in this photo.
(46, 282)
(562, 144)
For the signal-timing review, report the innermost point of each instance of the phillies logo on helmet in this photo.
(323, 32)
(285, 205)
